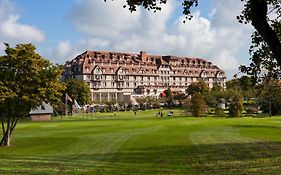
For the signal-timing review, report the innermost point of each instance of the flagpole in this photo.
(66, 106)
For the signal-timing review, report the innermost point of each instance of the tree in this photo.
(197, 87)
(263, 63)
(270, 96)
(169, 96)
(78, 90)
(198, 105)
(216, 87)
(142, 102)
(148, 102)
(236, 106)
(232, 84)
(255, 12)
(168, 93)
(27, 80)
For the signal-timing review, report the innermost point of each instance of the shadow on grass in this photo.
(233, 158)
(257, 126)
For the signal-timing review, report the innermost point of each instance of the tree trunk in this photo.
(270, 109)
(6, 139)
(3, 125)
(259, 21)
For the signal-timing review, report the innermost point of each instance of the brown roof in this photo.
(109, 62)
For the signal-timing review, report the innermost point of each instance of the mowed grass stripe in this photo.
(149, 145)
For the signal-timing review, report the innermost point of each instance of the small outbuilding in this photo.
(41, 113)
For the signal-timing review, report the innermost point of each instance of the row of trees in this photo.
(239, 92)
(200, 98)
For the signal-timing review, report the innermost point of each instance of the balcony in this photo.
(96, 78)
(96, 87)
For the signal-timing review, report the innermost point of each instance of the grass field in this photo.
(144, 144)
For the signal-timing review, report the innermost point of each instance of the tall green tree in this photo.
(198, 105)
(269, 96)
(197, 87)
(236, 106)
(78, 90)
(27, 80)
(168, 93)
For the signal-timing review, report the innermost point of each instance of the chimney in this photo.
(143, 56)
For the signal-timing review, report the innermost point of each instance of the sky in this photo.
(62, 29)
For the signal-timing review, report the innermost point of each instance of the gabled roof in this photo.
(44, 109)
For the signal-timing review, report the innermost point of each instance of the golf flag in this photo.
(76, 105)
(67, 98)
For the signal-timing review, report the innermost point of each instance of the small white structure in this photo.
(221, 103)
(42, 113)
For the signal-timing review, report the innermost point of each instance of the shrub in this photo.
(219, 112)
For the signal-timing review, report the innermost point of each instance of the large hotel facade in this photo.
(121, 76)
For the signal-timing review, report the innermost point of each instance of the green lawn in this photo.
(144, 144)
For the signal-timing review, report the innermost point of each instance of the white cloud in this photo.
(217, 37)
(97, 18)
(64, 48)
(11, 30)
(90, 43)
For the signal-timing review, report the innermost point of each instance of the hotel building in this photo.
(120, 76)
